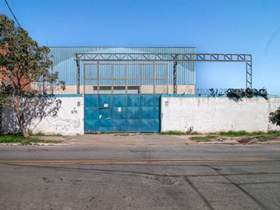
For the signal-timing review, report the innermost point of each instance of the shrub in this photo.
(274, 117)
(238, 94)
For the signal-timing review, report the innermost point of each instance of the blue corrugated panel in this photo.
(64, 63)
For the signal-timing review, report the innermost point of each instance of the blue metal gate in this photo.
(122, 113)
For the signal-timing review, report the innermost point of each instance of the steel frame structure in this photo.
(125, 78)
(168, 57)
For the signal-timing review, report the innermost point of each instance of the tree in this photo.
(24, 65)
(274, 117)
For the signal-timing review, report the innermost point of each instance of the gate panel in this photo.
(122, 113)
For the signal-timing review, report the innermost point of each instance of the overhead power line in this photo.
(13, 14)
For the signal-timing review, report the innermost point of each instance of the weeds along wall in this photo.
(206, 115)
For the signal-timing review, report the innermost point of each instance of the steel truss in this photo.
(168, 57)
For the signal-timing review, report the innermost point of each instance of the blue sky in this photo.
(226, 26)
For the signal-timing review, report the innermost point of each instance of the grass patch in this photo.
(178, 133)
(204, 138)
(234, 133)
(259, 134)
(240, 136)
(173, 133)
(11, 138)
(24, 141)
(267, 136)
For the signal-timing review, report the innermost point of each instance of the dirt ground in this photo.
(127, 140)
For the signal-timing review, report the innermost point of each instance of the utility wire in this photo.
(12, 12)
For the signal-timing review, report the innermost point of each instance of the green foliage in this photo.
(238, 94)
(179, 133)
(17, 138)
(10, 138)
(234, 133)
(173, 133)
(23, 63)
(274, 117)
(239, 135)
(204, 138)
(257, 134)
(215, 92)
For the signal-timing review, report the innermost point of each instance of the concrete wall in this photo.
(68, 121)
(199, 114)
(8, 121)
(216, 114)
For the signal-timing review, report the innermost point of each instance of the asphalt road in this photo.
(150, 172)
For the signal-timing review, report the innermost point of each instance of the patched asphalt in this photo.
(136, 172)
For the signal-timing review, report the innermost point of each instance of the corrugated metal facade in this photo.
(64, 63)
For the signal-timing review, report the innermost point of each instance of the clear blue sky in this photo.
(226, 26)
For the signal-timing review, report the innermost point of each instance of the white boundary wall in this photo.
(68, 121)
(202, 114)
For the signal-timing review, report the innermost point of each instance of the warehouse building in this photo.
(109, 77)
(121, 90)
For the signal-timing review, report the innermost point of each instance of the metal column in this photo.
(112, 78)
(78, 74)
(141, 66)
(154, 78)
(126, 77)
(249, 73)
(98, 78)
(167, 79)
(175, 75)
(85, 79)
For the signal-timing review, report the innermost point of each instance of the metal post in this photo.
(78, 74)
(98, 78)
(141, 77)
(249, 73)
(126, 77)
(154, 78)
(175, 74)
(112, 78)
(167, 78)
(84, 86)
(52, 85)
